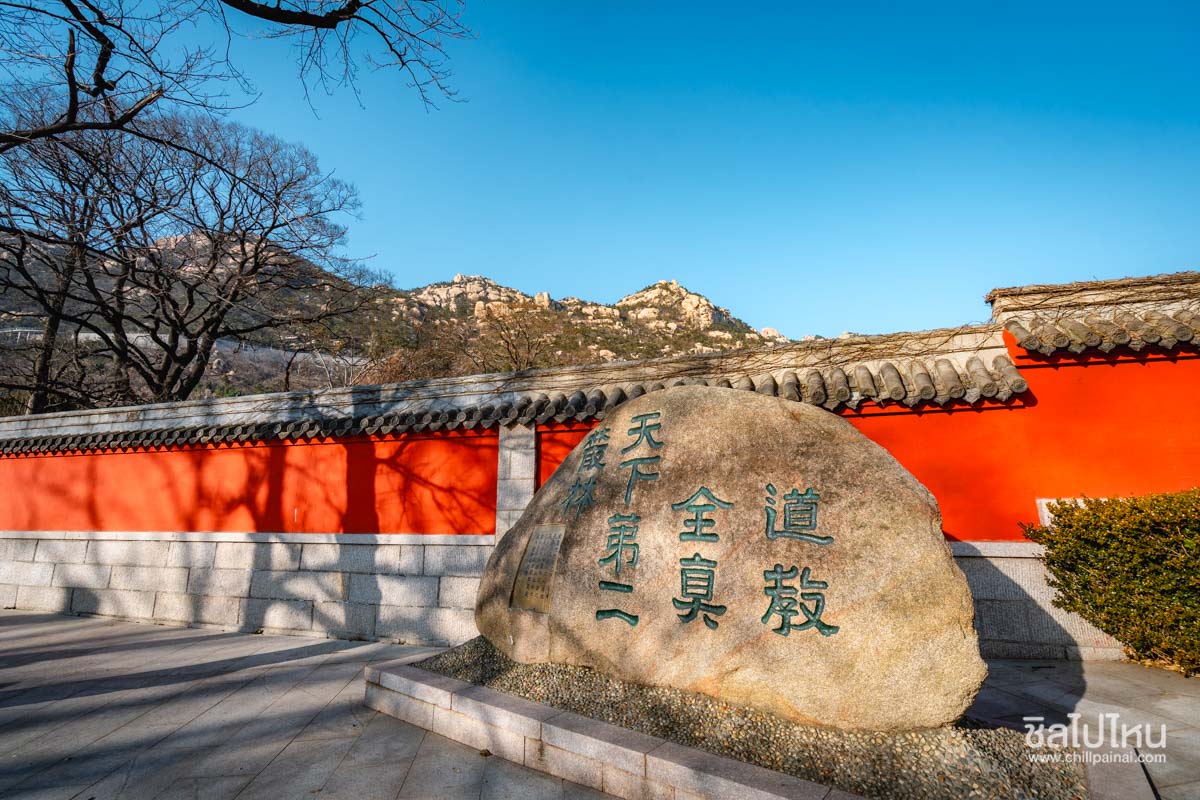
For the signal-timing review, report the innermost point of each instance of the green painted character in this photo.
(799, 516)
(636, 473)
(786, 606)
(696, 587)
(701, 504)
(622, 542)
(581, 496)
(622, 551)
(644, 429)
(594, 448)
(783, 597)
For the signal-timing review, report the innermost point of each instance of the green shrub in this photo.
(1131, 567)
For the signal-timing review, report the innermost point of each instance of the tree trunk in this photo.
(39, 397)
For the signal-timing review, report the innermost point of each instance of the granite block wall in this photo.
(412, 588)
(419, 591)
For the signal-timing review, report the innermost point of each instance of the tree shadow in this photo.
(80, 742)
(184, 674)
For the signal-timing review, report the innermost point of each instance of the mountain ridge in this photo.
(473, 324)
(665, 305)
(470, 324)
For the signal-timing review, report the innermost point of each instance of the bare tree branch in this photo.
(141, 259)
(302, 16)
(100, 65)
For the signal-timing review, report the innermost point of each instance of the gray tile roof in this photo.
(954, 366)
(1106, 331)
(962, 365)
(1158, 312)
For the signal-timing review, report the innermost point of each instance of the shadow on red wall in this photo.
(433, 483)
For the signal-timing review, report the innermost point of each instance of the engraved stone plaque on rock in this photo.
(531, 590)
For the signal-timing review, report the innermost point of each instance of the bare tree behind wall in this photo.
(102, 65)
(496, 337)
(137, 259)
(511, 337)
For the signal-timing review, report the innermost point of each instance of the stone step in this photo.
(605, 757)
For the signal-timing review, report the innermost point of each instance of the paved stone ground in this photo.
(1140, 695)
(96, 709)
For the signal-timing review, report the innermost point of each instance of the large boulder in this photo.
(754, 549)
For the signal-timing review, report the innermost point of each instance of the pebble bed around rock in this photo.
(955, 762)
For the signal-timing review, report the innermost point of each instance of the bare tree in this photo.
(512, 336)
(100, 65)
(138, 259)
(498, 337)
(425, 349)
(39, 266)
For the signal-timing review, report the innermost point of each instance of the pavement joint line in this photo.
(293, 740)
(341, 760)
(125, 763)
(72, 697)
(114, 698)
(416, 755)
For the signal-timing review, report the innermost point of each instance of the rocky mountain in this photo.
(464, 326)
(662, 319)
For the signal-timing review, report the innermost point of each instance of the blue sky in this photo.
(817, 168)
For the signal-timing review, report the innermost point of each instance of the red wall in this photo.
(1096, 426)
(554, 443)
(434, 483)
(1091, 425)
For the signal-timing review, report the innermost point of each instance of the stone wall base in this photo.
(409, 588)
(1014, 615)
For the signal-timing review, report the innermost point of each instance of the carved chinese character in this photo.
(799, 516)
(594, 448)
(644, 431)
(622, 551)
(622, 542)
(636, 473)
(580, 496)
(616, 613)
(700, 505)
(785, 605)
(696, 589)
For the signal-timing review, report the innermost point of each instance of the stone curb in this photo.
(605, 757)
(968, 549)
